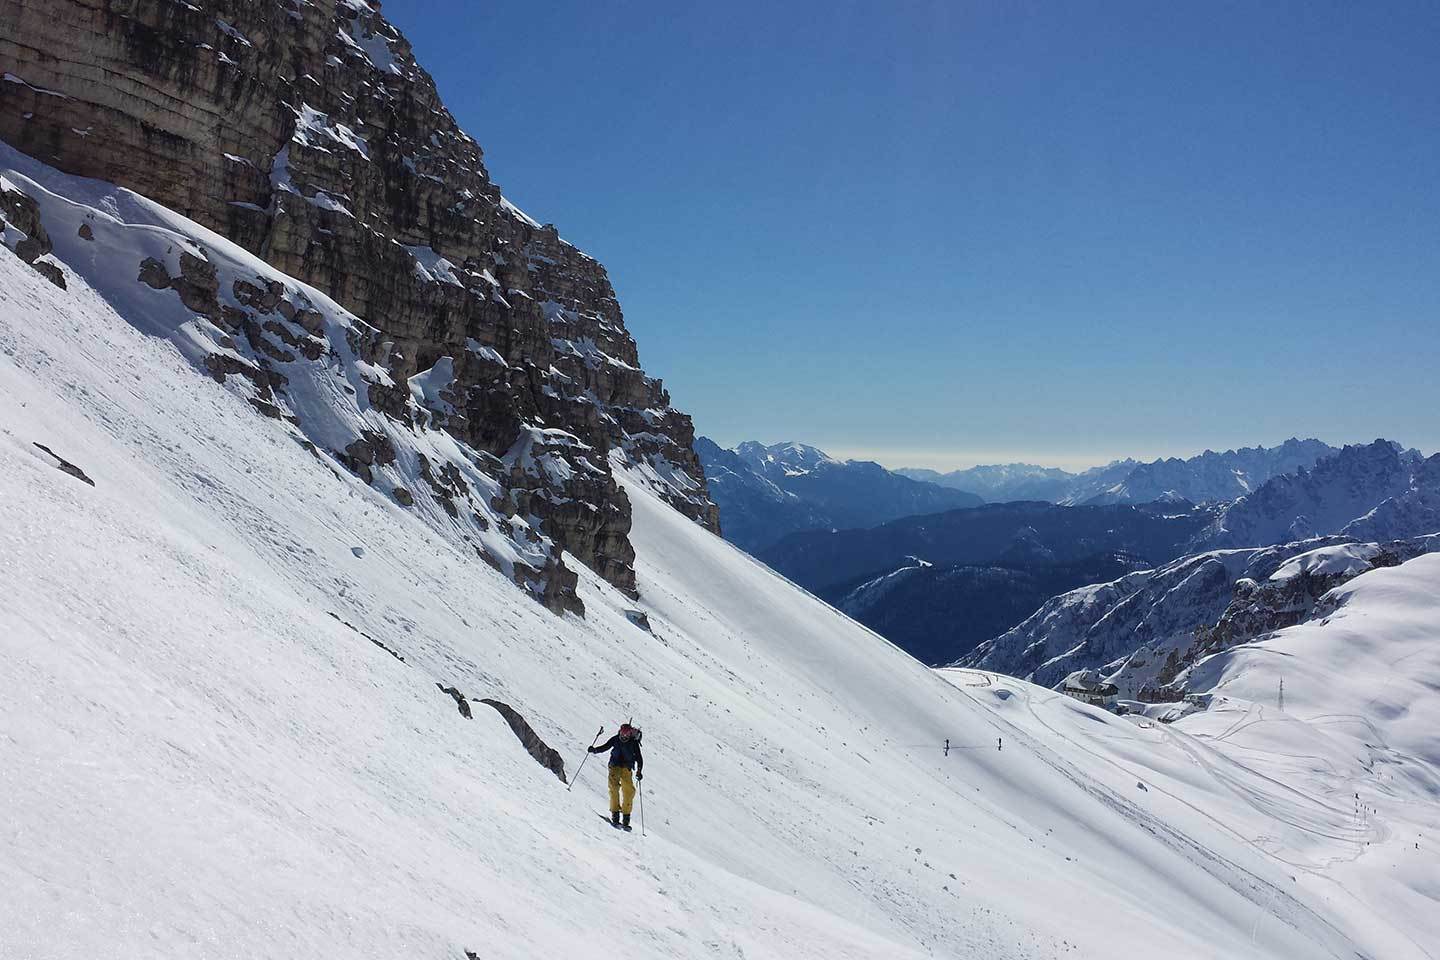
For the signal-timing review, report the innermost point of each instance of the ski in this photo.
(617, 826)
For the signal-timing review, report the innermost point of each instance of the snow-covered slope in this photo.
(1339, 783)
(1368, 664)
(207, 752)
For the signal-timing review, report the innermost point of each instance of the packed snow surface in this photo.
(203, 753)
(1345, 558)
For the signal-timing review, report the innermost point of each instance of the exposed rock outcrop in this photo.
(24, 234)
(306, 133)
(537, 748)
(459, 698)
(65, 466)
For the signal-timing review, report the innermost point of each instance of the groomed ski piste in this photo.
(199, 759)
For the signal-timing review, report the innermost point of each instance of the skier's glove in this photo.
(639, 776)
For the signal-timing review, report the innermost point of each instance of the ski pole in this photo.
(641, 785)
(571, 784)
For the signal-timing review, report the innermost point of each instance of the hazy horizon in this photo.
(946, 461)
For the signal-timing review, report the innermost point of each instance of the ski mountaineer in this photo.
(625, 754)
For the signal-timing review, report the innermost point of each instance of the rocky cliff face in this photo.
(1319, 501)
(1414, 509)
(305, 132)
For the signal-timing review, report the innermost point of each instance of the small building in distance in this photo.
(1088, 687)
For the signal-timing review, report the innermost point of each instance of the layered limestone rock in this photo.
(305, 132)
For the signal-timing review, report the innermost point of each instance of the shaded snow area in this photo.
(211, 747)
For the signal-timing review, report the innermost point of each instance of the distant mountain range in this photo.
(1002, 483)
(766, 492)
(1207, 477)
(937, 584)
(1380, 487)
(934, 611)
(1021, 534)
(1143, 630)
(1367, 505)
(940, 573)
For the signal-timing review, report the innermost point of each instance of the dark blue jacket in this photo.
(623, 753)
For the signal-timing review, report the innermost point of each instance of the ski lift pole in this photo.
(571, 784)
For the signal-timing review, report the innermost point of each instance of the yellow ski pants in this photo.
(622, 790)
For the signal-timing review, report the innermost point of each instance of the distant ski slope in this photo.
(200, 760)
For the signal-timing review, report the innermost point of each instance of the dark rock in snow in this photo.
(367, 636)
(460, 700)
(65, 466)
(21, 211)
(537, 748)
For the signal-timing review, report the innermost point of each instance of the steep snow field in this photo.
(197, 759)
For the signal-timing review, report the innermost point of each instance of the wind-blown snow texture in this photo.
(205, 755)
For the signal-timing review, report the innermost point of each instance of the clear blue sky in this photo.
(955, 232)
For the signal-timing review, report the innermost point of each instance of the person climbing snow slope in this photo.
(625, 755)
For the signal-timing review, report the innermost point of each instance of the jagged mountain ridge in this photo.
(765, 492)
(1212, 476)
(1416, 508)
(1204, 478)
(1323, 500)
(306, 133)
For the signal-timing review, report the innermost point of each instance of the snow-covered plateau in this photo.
(221, 732)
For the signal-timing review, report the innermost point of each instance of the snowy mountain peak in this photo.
(768, 491)
(790, 457)
(1324, 498)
